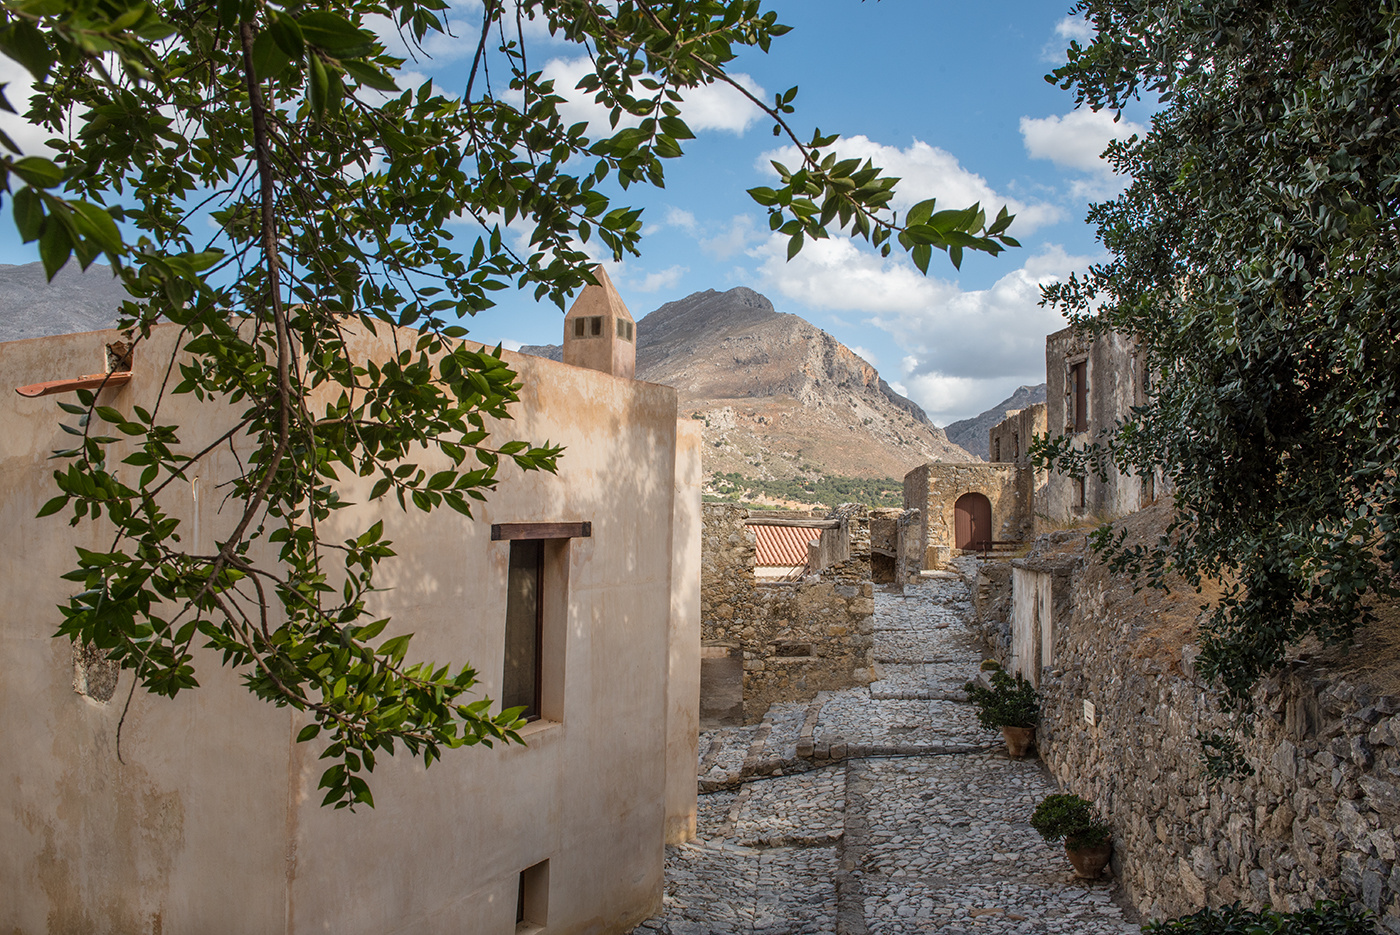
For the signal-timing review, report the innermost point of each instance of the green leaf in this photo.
(335, 34)
(309, 732)
(29, 213)
(287, 34)
(23, 42)
(38, 171)
(54, 247)
(368, 75)
(269, 61)
(320, 87)
(53, 506)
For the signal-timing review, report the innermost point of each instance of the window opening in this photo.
(1015, 446)
(1079, 493)
(532, 899)
(578, 327)
(1079, 396)
(595, 325)
(996, 449)
(524, 628)
(624, 329)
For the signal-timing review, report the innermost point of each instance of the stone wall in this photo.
(1316, 819)
(795, 638)
(934, 489)
(895, 553)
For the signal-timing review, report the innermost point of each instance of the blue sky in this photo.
(950, 97)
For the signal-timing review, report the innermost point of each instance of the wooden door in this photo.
(972, 522)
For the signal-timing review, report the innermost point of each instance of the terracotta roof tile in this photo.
(783, 545)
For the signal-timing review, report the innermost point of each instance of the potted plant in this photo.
(1010, 704)
(1071, 819)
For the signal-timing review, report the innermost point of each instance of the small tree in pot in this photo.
(1072, 819)
(1010, 704)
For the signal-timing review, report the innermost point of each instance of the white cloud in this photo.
(709, 107)
(1077, 141)
(674, 217)
(1070, 29)
(930, 172)
(510, 345)
(966, 349)
(1076, 29)
(720, 106)
(865, 355)
(19, 88)
(661, 279)
(736, 237)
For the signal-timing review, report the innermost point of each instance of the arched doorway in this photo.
(972, 522)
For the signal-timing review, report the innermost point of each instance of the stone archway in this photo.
(972, 522)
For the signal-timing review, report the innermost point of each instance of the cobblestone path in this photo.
(878, 811)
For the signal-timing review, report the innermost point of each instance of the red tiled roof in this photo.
(783, 545)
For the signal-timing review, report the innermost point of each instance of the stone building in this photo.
(1092, 384)
(211, 822)
(968, 506)
(766, 640)
(1009, 441)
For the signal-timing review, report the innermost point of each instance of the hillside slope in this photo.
(32, 307)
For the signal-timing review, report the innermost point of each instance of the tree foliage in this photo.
(1254, 255)
(260, 178)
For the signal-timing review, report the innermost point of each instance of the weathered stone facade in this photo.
(795, 638)
(896, 554)
(1010, 439)
(1317, 818)
(1114, 382)
(934, 489)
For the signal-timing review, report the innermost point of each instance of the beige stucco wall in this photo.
(212, 823)
(683, 686)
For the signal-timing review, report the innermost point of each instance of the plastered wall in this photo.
(212, 822)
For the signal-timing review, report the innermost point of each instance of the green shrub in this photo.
(989, 665)
(1070, 818)
(1008, 703)
(1325, 918)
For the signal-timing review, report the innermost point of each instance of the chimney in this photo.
(599, 332)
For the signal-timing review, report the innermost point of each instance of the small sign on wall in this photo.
(1090, 716)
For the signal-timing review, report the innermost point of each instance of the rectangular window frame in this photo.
(526, 559)
(545, 706)
(532, 900)
(1077, 395)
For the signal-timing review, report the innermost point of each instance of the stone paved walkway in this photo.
(878, 811)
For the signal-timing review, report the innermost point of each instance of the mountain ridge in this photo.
(780, 398)
(971, 434)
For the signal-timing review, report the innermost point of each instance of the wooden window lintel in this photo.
(506, 531)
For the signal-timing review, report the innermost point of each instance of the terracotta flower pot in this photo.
(1089, 861)
(1018, 740)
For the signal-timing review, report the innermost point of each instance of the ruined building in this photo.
(1092, 384)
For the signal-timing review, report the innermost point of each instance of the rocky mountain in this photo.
(32, 307)
(971, 434)
(781, 399)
